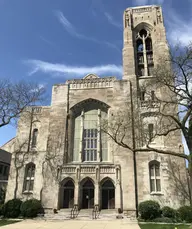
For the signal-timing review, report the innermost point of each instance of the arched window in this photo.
(90, 142)
(34, 138)
(29, 177)
(154, 173)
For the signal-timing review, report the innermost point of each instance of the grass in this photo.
(163, 226)
(4, 222)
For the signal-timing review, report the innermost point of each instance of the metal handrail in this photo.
(96, 212)
(74, 211)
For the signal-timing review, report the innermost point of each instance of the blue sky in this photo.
(49, 41)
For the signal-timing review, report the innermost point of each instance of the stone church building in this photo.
(62, 155)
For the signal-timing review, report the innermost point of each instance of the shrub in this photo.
(11, 209)
(168, 212)
(120, 211)
(163, 220)
(1, 209)
(185, 213)
(30, 208)
(149, 209)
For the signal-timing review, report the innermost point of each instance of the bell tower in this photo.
(144, 41)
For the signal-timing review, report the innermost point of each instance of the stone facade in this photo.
(68, 159)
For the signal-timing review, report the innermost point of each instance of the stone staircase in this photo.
(85, 215)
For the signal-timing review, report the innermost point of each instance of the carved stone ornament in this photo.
(159, 18)
(127, 19)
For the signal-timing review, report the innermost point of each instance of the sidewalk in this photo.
(73, 224)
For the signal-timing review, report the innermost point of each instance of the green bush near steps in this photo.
(185, 213)
(168, 212)
(11, 209)
(149, 210)
(31, 208)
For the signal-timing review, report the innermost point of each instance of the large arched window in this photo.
(155, 179)
(90, 142)
(29, 177)
(144, 51)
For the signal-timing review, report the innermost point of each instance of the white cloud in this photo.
(67, 24)
(62, 70)
(73, 31)
(112, 21)
(178, 29)
(148, 2)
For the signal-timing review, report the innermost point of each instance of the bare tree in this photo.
(23, 147)
(15, 97)
(53, 161)
(178, 179)
(170, 107)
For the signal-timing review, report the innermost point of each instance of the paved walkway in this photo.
(73, 224)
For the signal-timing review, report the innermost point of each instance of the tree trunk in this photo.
(16, 184)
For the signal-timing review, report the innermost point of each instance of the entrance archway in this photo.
(67, 194)
(107, 195)
(87, 194)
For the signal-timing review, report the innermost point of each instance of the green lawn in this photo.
(163, 226)
(4, 222)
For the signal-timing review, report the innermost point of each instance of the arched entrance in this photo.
(107, 195)
(67, 194)
(87, 194)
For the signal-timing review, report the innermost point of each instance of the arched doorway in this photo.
(107, 195)
(67, 194)
(87, 194)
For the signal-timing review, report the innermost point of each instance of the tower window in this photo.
(142, 95)
(34, 138)
(143, 33)
(29, 177)
(150, 131)
(140, 48)
(155, 179)
(152, 95)
(144, 53)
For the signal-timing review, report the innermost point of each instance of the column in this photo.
(145, 57)
(97, 185)
(118, 195)
(76, 193)
(99, 136)
(56, 197)
(118, 188)
(97, 193)
(81, 140)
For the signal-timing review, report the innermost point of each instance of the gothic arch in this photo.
(87, 188)
(107, 179)
(85, 179)
(89, 104)
(143, 25)
(107, 193)
(66, 180)
(67, 190)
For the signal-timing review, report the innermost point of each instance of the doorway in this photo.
(108, 195)
(68, 194)
(87, 196)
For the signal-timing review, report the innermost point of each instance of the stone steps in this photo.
(86, 215)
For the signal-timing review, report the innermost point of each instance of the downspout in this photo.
(134, 146)
(66, 146)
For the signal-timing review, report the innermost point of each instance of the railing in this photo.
(74, 211)
(150, 104)
(95, 212)
(91, 169)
